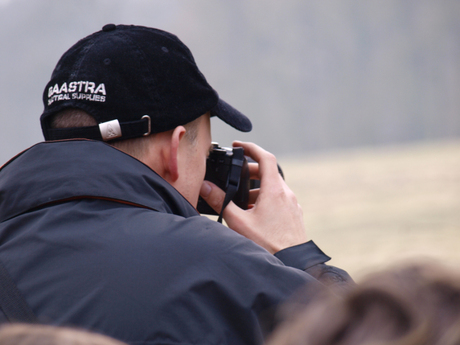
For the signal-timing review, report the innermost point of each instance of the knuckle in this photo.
(299, 208)
(270, 157)
(286, 195)
(292, 197)
(278, 192)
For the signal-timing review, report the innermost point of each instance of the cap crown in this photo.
(125, 72)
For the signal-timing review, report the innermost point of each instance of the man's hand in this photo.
(274, 219)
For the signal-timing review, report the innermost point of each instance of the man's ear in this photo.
(171, 162)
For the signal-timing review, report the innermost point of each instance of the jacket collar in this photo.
(52, 172)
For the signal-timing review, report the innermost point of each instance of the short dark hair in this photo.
(411, 305)
(28, 334)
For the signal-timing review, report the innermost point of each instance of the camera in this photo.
(228, 169)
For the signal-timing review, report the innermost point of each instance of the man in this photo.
(108, 238)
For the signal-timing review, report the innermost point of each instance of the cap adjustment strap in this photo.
(105, 131)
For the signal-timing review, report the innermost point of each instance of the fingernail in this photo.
(205, 189)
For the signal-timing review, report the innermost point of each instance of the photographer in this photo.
(99, 224)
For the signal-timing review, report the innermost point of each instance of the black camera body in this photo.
(228, 169)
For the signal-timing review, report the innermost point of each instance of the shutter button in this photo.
(109, 27)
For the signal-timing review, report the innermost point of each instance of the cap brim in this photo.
(231, 116)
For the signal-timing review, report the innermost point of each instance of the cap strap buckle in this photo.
(148, 125)
(110, 130)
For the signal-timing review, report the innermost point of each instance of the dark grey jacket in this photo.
(94, 238)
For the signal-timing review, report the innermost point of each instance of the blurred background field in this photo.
(372, 207)
(312, 75)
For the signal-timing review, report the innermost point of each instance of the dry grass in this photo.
(371, 208)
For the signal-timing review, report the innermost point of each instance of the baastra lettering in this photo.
(90, 86)
(100, 89)
(52, 90)
(63, 88)
(82, 89)
(73, 86)
(83, 86)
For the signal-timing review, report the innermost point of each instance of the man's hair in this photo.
(418, 304)
(136, 147)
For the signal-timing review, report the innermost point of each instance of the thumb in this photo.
(213, 195)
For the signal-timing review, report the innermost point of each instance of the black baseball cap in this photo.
(134, 81)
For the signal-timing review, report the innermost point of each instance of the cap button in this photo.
(109, 27)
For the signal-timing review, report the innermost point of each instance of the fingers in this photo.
(274, 219)
(268, 168)
(253, 195)
(213, 195)
(254, 171)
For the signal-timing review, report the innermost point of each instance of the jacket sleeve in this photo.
(309, 258)
(238, 284)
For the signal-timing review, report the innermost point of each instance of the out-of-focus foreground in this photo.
(370, 208)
